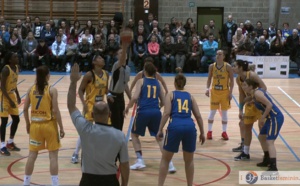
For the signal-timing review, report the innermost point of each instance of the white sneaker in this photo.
(172, 169)
(139, 164)
(130, 139)
(34, 69)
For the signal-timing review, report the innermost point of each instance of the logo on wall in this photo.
(146, 4)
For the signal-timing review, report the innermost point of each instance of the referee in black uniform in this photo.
(118, 85)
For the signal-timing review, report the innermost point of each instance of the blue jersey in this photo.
(149, 95)
(181, 105)
(274, 111)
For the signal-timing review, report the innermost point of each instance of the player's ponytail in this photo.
(41, 78)
(180, 81)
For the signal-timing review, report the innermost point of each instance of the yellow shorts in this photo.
(5, 108)
(89, 116)
(219, 98)
(44, 135)
(251, 114)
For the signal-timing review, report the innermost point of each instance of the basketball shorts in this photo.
(251, 114)
(146, 118)
(219, 99)
(6, 109)
(272, 127)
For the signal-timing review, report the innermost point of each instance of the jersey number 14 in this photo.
(183, 106)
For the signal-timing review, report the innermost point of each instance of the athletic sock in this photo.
(210, 125)
(224, 127)
(54, 179)
(139, 154)
(9, 141)
(27, 179)
(246, 149)
(3, 144)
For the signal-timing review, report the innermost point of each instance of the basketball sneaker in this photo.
(75, 158)
(264, 163)
(242, 156)
(239, 148)
(224, 136)
(4, 151)
(139, 164)
(12, 147)
(209, 135)
(172, 168)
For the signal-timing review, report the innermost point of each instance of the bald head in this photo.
(101, 112)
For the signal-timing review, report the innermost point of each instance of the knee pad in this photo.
(212, 114)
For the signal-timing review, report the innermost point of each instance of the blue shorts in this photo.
(177, 133)
(146, 118)
(272, 127)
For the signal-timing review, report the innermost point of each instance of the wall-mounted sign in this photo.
(146, 4)
(285, 10)
(191, 4)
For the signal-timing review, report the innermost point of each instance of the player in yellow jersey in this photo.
(95, 86)
(220, 78)
(42, 126)
(9, 100)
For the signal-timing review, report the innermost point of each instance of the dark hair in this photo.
(252, 83)
(91, 66)
(243, 64)
(180, 81)
(148, 59)
(6, 60)
(41, 78)
(150, 69)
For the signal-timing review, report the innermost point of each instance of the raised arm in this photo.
(74, 77)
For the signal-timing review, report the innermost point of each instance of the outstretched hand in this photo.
(75, 74)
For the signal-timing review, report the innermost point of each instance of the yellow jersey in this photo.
(12, 80)
(220, 77)
(96, 89)
(239, 81)
(41, 105)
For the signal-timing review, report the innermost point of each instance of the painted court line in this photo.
(287, 95)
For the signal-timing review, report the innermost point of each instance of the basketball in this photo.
(126, 36)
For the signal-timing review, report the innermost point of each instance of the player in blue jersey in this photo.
(179, 106)
(270, 122)
(149, 97)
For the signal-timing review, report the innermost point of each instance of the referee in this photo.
(119, 84)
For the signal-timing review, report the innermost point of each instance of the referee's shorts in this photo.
(99, 180)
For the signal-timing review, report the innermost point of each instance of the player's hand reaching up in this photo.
(75, 74)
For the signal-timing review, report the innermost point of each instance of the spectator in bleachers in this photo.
(194, 55)
(272, 30)
(48, 35)
(298, 28)
(165, 29)
(155, 33)
(101, 28)
(153, 51)
(111, 50)
(246, 47)
(259, 29)
(277, 48)
(140, 52)
(180, 52)
(15, 45)
(278, 35)
(29, 46)
(291, 42)
(229, 29)
(43, 54)
(210, 48)
(89, 26)
(75, 31)
(286, 31)
(58, 59)
(242, 26)
(29, 22)
(190, 39)
(148, 24)
(84, 53)
(37, 28)
(267, 37)
(253, 38)
(86, 35)
(140, 23)
(296, 56)
(130, 24)
(140, 32)
(249, 27)
(213, 29)
(65, 28)
(21, 29)
(54, 28)
(173, 23)
(5, 23)
(237, 39)
(99, 45)
(114, 31)
(71, 50)
(110, 25)
(262, 47)
(168, 34)
(187, 26)
(167, 55)
(63, 36)
(15, 31)
(4, 34)
(2, 50)
(178, 31)
(155, 25)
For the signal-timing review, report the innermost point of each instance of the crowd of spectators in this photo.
(175, 47)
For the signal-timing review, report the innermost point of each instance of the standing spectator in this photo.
(84, 52)
(210, 48)
(42, 128)
(98, 159)
(119, 84)
(48, 35)
(220, 79)
(58, 49)
(194, 55)
(229, 29)
(140, 51)
(37, 28)
(286, 32)
(43, 54)
(213, 29)
(181, 129)
(29, 47)
(153, 50)
(296, 56)
(262, 47)
(167, 55)
(75, 30)
(180, 51)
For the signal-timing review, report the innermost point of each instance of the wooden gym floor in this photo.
(214, 163)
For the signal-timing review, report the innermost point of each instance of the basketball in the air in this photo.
(126, 36)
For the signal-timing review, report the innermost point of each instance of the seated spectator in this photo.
(110, 25)
(205, 33)
(43, 54)
(291, 42)
(75, 31)
(86, 35)
(286, 32)
(180, 51)
(111, 50)
(187, 27)
(262, 47)
(245, 47)
(242, 26)
(259, 29)
(156, 34)
(178, 31)
(140, 51)
(48, 35)
(29, 47)
(113, 31)
(210, 48)
(140, 32)
(249, 27)
(168, 34)
(167, 55)
(131, 25)
(89, 26)
(278, 35)
(237, 39)
(153, 50)
(272, 30)
(84, 52)
(165, 29)
(37, 28)
(65, 28)
(267, 37)
(58, 59)
(4, 34)
(15, 45)
(71, 50)
(253, 38)
(101, 29)
(194, 54)
(296, 56)
(63, 36)
(15, 31)
(2, 50)
(99, 45)
(277, 48)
